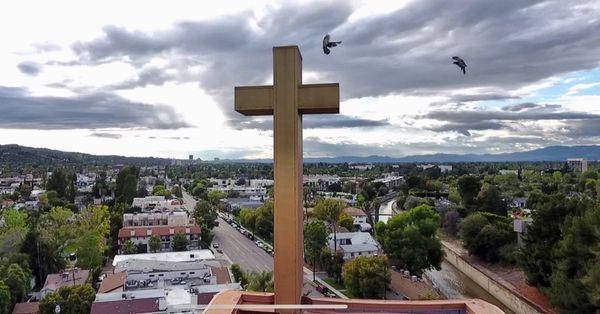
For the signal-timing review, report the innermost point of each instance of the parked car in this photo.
(322, 289)
(216, 245)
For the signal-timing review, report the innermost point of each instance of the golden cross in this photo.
(287, 100)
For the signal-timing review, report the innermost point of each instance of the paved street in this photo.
(240, 249)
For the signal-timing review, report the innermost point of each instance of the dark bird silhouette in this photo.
(460, 63)
(329, 44)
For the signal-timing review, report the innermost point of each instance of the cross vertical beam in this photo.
(287, 78)
(287, 100)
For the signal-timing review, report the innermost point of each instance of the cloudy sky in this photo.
(145, 78)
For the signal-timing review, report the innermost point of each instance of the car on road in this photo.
(215, 245)
(219, 250)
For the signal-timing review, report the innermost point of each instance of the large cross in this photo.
(287, 100)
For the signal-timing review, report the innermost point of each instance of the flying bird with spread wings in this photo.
(460, 63)
(329, 44)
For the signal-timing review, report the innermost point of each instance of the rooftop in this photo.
(226, 302)
(55, 281)
(186, 256)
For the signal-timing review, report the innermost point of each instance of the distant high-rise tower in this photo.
(191, 157)
(578, 164)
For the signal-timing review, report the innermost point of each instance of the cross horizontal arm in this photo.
(313, 99)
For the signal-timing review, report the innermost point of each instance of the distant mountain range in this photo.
(20, 155)
(550, 153)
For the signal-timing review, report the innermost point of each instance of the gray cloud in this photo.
(464, 121)
(30, 67)
(529, 106)
(317, 122)
(94, 111)
(507, 44)
(106, 135)
(464, 128)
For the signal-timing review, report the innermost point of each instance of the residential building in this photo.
(261, 183)
(68, 278)
(174, 218)
(140, 235)
(354, 244)
(143, 301)
(578, 164)
(361, 167)
(443, 168)
(359, 218)
(156, 203)
(519, 202)
(391, 181)
(320, 181)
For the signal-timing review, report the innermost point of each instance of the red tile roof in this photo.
(157, 230)
(149, 305)
(112, 282)
(26, 308)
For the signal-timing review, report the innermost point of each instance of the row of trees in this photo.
(562, 251)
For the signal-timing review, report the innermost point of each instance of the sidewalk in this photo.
(308, 275)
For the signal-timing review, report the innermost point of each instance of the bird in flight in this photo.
(329, 44)
(460, 63)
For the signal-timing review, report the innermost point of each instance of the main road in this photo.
(239, 249)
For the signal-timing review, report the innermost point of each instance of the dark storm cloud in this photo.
(107, 135)
(101, 110)
(29, 67)
(507, 44)
(316, 122)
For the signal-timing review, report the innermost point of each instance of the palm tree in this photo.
(260, 282)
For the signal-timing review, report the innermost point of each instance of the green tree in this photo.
(93, 227)
(72, 299)
(264, 220)
(13, 230)
(260, 281)
(205, 215)
(346, 221)
(5, 298)
(409, 239)
(484, 235)
(214, 197)
(544, 233)
(330, 210)
(367, 277)
(154, 244)
(128, 248)
(176, 190)
(239, 275)
(17, 281)
(315, 240)
(179, 242)
(490, 199)
(58, 182)
(332, 262)
(577, 260)
(468, 188)
(126, 184)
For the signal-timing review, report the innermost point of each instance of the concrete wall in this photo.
(501, 292)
